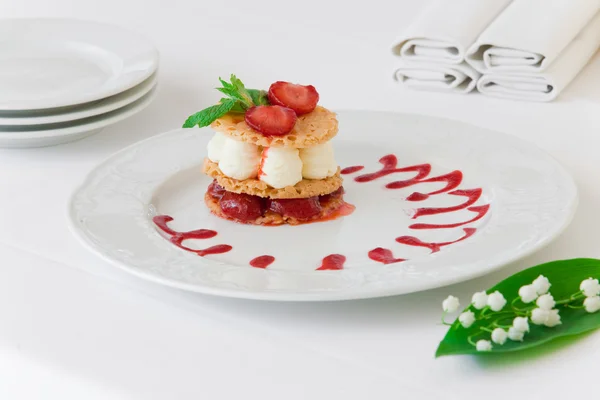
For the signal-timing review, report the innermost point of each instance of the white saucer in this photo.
(49, 63)
(72, 113)
(53, 134)
(472, 201)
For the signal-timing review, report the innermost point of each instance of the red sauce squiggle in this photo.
(480, 210)
(218, 249)
(434, 247)
(472, 196)
(390, 166)
(351, 170)
(332, 262)
(177, 238)
(384, 256)
(262, 261)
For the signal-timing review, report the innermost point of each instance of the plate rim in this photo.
(99, 121)
(85, 110)
(341, 295)
(99, 93)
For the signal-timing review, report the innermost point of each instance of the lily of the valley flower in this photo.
(592, 304)
(546, 302)
(590, 287)
(499, 336)
(515, 335)
(466, 319)
(541, 285)
(496, 301)
(553, 319)
(479, 300)
(451, 304)
(483, 345)
(521, 324)
(539, 316)
(528, 293)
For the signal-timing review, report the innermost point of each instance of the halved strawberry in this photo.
(301, 99)
(243, 207)
(215, 190)
(297, 208)
(271, 120)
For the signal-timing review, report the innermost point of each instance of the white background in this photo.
(72, 327)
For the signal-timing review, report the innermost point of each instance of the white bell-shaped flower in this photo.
(553, 319)
(466, 319)
(496, 301)
(483, 345)
(528, 293)
(546, 302)
(499, 336)
(451, 304)
(479, 300)
(590, 287)
(592, 304)
(521, 324)
(539, 316)
(541, 285)
(515, 335)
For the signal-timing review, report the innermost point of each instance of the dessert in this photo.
(271, 158)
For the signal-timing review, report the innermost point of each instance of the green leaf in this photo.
(259, 97)
(240, 91)
(565, 277)
(208, 115)
(238, 100)
(237, 108)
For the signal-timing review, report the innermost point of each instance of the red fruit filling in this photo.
(243, 207)
(301, 99)
(271, 120)
(247, 208)
(332, 196)
(297, 208)
(215, 190)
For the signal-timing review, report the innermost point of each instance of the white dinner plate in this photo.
(470, 201)
(48, 63)
(53, 134)
(72, 113)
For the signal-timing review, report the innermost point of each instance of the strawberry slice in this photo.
(271, 120)
(301, 99)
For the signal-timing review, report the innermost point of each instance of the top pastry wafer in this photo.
(316, 127)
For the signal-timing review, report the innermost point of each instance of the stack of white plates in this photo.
(62, 80)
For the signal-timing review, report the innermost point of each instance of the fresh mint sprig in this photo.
(238, 100)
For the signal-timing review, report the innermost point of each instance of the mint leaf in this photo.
(209, 115)
(259, 97)
(238, 100)
(237, 108)
(240, 92)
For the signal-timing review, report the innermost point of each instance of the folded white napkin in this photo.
(446, 29)
(459, 78)
(546, 85)
(529, 35)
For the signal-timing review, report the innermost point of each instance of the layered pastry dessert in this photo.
(271, 158)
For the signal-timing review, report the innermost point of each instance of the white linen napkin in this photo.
(546, 85)
(529, 35)
(446, 29)
(459, 78)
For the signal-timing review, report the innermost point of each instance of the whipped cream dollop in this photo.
(318, 162)
(215, 147)
(280, 167)
(237, 160)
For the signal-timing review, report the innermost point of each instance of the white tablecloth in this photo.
(73, 327)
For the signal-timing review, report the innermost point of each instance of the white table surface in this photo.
(73, 327)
